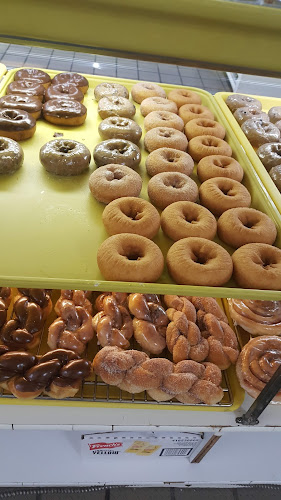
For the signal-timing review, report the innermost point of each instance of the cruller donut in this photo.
(183, 219)
(207, 145)
(219, 194)
(157, 104)
(165, 137)
(169, 160)
(142, 90)
(204, 126)
(257, 265)
(167, 187)
(184, 96)
(219, 166)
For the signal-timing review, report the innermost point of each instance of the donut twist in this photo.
(78, 297)
(209, 305)
(113, 323)
(182, 304)
(133, 371)
(58, 373)
(5, 299)
(41, 297)
(150, 321)
(258, 317)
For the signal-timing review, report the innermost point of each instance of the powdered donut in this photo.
(243, 114)
(207, 145)
(204, 126)
(275, 114)
(190, 111)
(184, 96)
(116, 106)
(257, 265)
(165, 137)
(169, 160)
(142, 90)
(260, 132)
(167, 187)
(114, 181)
(157, 104)
(220, 194)
(219, 166)
(270, 155)
(184, 219)
(163, 119)
(235, 101)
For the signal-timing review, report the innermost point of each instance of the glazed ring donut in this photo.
(167, 187)
(117, 127)
(16, 124)
(163, 119)
(208, 145)
(278, 125)
(260, 132)
(142, 90)
(249, 112)
(74, 78)
(65, 157)
(107, 89)
(169, 160)
(11, 156)
(131, 215)
(64, 91)
(115, 106)
(117, 151)
(204, 126)
(157, 104)
(275, 114)
(130, 257)
(114, 181)
(257, 265)
(197, 261)
(235, 101)
(190, 111)
(26, 87)
(30, 104)
(184, 96)
(219, 166)
(275, 174)
(33, 74)
(220, 194)
(270, 155)
(239, 226)
(165, 137)
(64, 112)
(184, 219)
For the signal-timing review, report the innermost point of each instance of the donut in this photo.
(130, 257)
(278, 125)
(165, 137)
(248, 112)
(11, 156)
(142, 90)
(30, 104)
(64, 91)
(275, 114)
(65, 157)
(26, 87)
(239, 226)
(184, 219)
(260, 132)
(16, 124)
(257, 265)
(33, 74)
(184, 96)
(117, 151)
(115, 106)
(235, 101)
(74, 78)
(114, 181)
(220, 194)
(157, 104)
(167, 187)
(190, 111)
(270, 155)
(169, 160)
(197, 261)
(208, 145)
(219, 166)
(107, 89)
(117, 127)
(163, 119)
(64, 112)
(131, 215)
(204, 126)
(275, 174)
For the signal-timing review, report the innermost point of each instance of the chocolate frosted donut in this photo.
(117, 127)
(169, 160)
(235, 101)
(142, 90)
(114, 181)
(64, 112)
(116, 106)
(26, 87)
(260, 132)
(165, 137)
(204, 126)
(270, 155)
(16, 124)
(219, 166)
(107, 89)
(163, 119)
(248, 112)
(184, 219)
(64, 91)
(117, 151)
(65, 157)
(184, 96)
(33, 74)
(168, 187)
(157, 104)
(190, 111)
(11, 156)
(74, 78)
(275, 114)
(31, 105)
(220, 194)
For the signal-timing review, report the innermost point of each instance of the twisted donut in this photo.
(208, 305)
(78, 297)
(5, 299)
(258, 317)
(113, 324)
(182, 304)
(41, 297)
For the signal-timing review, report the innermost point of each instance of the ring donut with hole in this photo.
(167, 187)
(165, 137)
(219, 166)
(117, 127)
(169, 160)
(117, 151)
(113, 181)
(16, 124)
(257, 265)
(65, 157)
(207, 145)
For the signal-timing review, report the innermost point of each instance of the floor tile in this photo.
(90, 495)
(127, 73)
(127, 63)
(63, 53)
(18, 49)
(149, 76)
(193, 72)
(82, 67)
(140, 494)
(191, 82)
(12, 60)
(170, 79)
(36, 62)
(106, 59)
(168, 69)
(203, 494)
(60, 65)
(41, 51)
(106, 71)
(84, 56)
(148, 66)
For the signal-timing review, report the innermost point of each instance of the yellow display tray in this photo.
(52, 226)
(267, 103)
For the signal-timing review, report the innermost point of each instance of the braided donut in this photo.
(78, 297)
(258, 317)
(182, 304)
(41, 297)
(133, 371)
(209, 305)
(5, 299)
(113, 323)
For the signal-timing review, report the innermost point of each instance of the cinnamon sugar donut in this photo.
(219, 166)
(142, 90)
(167, 187)
(184, 96)
(197, 261)
(115, 106)
(130, 257)
(163, 119)
(114, 181)
(248, 112)
(107, 89)
(257, 265)
(235, 101)
(165, 137)
(208, 145)
(220, 194)
(239, 226)
(183, 219)
(169, 160)
(131, 215)
(190, 111)
(204, 126)
(260, 132)
(157, 104)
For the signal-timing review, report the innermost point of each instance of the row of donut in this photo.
(262, 129)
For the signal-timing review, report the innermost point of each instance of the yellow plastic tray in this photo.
(52, 227)
(267, 103)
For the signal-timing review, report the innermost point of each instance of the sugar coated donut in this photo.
(184, 219)
(168, 160)
(184, 96)
(239, 226)
(142, 90)
(64, 91)
(117, 151)
(131, 215)
(130, 257)
(117, 127)
(107, 89)
(260, 132)
(165, 137)
(257, 265)
(167, 187)
(11, 156)
(26, 87)
(197, 261)
(270, 155)
(219, 166)
(235, 101)
(114, 181)
(157, 104)
(65, 157)
(16, 124)
(116, 106)
(207, 145)
(204, 126)
(220, 194)
(275, 174)
(163, 119)
(30, 104)
(275, 114)
(74, 78)
(248, 112)
(64, 112)
(190, 111)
